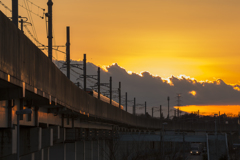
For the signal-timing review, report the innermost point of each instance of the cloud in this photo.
(155, 90)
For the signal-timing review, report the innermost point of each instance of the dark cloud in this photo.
(155, 90)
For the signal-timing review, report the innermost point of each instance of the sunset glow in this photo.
(199, 39)
(193, 93)
(230, 110)
(186, 46)
(236, 88)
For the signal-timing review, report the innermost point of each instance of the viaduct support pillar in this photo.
(71, 151)
(89, 150)
(58, 151)
(95, 150)
(80, 150)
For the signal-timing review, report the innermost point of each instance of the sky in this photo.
(166, 38)
(196, 38)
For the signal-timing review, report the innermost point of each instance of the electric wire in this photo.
(5, 6)
(94, 83)
(45, 47)
(55, 60)
(54, 42)
(70, 72)
(31, 11)
(33, 37)
(36, 5)
(31, 20)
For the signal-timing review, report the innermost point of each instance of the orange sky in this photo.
(230, 110)
(197, 38)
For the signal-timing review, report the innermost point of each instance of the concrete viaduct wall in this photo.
(27, 67)
(28, 79)
(66, 122)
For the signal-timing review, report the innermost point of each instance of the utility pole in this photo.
(219, 121)
(15, 12)
(85, 72)
(49, 15)
(145, 108)
(152, 111)
(134, 106)
(160, 111)
(99, 83)
(110, 90)
(178, 112)
(215, 115)
(68, 52)
(168, 98)
(119, 94)
(126, 101)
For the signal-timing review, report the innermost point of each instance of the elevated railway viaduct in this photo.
(63, 116)
(66, 122)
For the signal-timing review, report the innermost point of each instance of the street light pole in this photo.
(20, 112)
(168, 98)
(162, 142)
(18, 137)
(215, 115)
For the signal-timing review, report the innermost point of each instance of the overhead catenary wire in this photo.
(45, 47)
(93, 81)
(70, 72)
(31, 20)
(5, 6)
(31, 11)
(34, 34)
(89, 80)
(39, 43)
(54, 42)
(36, 40)
(36, 5)
(55, 60)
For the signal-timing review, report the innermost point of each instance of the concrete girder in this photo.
(10, 93)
